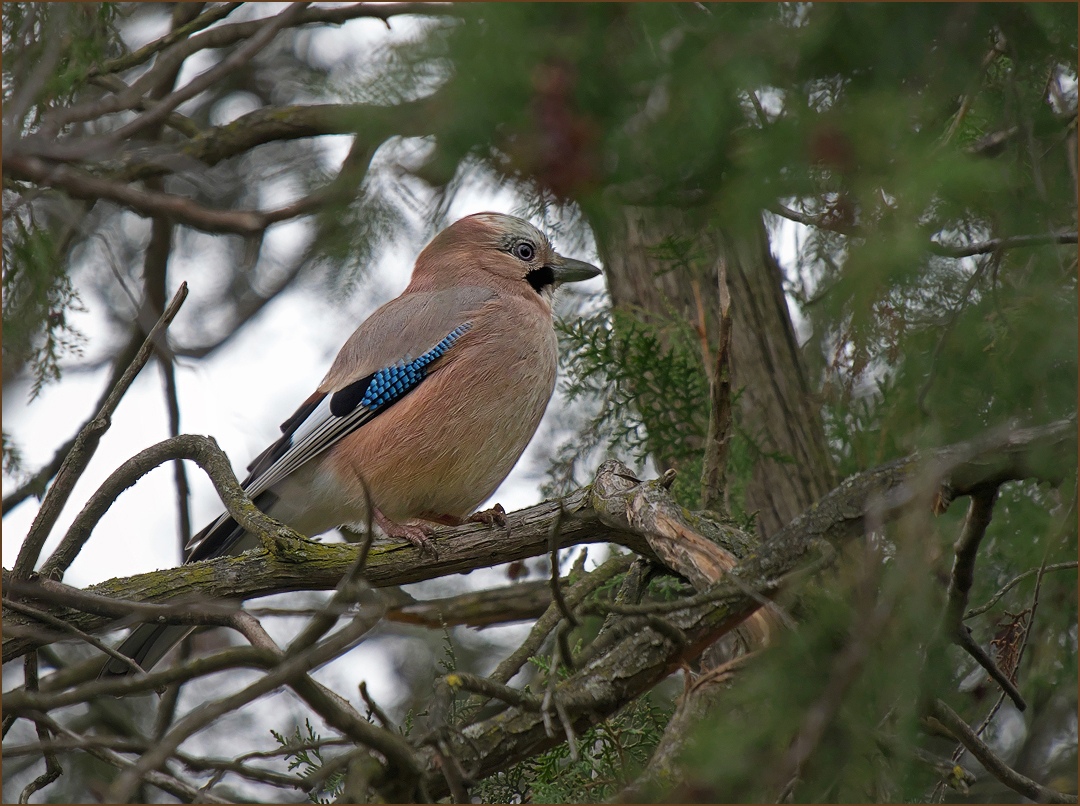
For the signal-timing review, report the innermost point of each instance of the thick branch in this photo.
(82, 185)
(270, 124)
(645, 657)
(1045, 453)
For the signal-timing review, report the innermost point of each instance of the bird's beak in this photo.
(568, 270)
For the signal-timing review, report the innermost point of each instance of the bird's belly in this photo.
(445, 447)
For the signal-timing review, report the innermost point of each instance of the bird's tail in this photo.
(146, 645)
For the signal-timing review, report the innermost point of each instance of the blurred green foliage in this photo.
(610, 756)
(49, 50)
(39, 296)
(903, 131)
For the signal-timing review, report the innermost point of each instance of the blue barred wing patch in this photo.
(390, 383)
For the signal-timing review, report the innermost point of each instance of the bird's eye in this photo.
(524, 251)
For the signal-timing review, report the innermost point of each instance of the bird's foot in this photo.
(496, 516)
(417, 534)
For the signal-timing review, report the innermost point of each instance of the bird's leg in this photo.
(417, 534)
(496, 516)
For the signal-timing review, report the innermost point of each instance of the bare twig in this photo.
(251, 628)
(553, 554)
(289, 670)
(490, 689)
(53, 770)
(452, 772)
(182, 124)
(206, 612)
(268, 29)
(518, 602)
(993, 764)
(546, 623)
(203, 452)
(1012, 583)
(64, 626)
(373, 706)
(166, 783)
(135, 58)
(176, 53)
(85, 446)
(183, 495)
(83, 185)
(980, 511)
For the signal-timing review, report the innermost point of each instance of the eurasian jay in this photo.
(430, 403)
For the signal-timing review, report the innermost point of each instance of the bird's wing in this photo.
(388, 356)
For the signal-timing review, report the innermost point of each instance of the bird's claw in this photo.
(417, 534)
(496, 516)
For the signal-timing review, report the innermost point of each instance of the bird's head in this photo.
(499, 250)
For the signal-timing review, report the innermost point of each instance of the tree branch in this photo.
(635, 661)
(290, 563)
(174, 56)
(134, 59)
(85, 446)
(980, 512)
(942, 250)
(1012, 583)
(994, 765)
(83, 185)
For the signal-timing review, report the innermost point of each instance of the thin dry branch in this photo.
(137, 57)
(259, 39)
(942, 250)
(85, 446)
(174, 54)
(53, 770)
(292, 670)
(980, 512)
(163, 781)
(991, 762)
(81, 184)
(1012, 583)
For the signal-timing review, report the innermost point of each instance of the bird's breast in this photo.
(449, 443)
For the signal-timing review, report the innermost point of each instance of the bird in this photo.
(426, 408)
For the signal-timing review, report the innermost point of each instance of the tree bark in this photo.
(778, 411)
